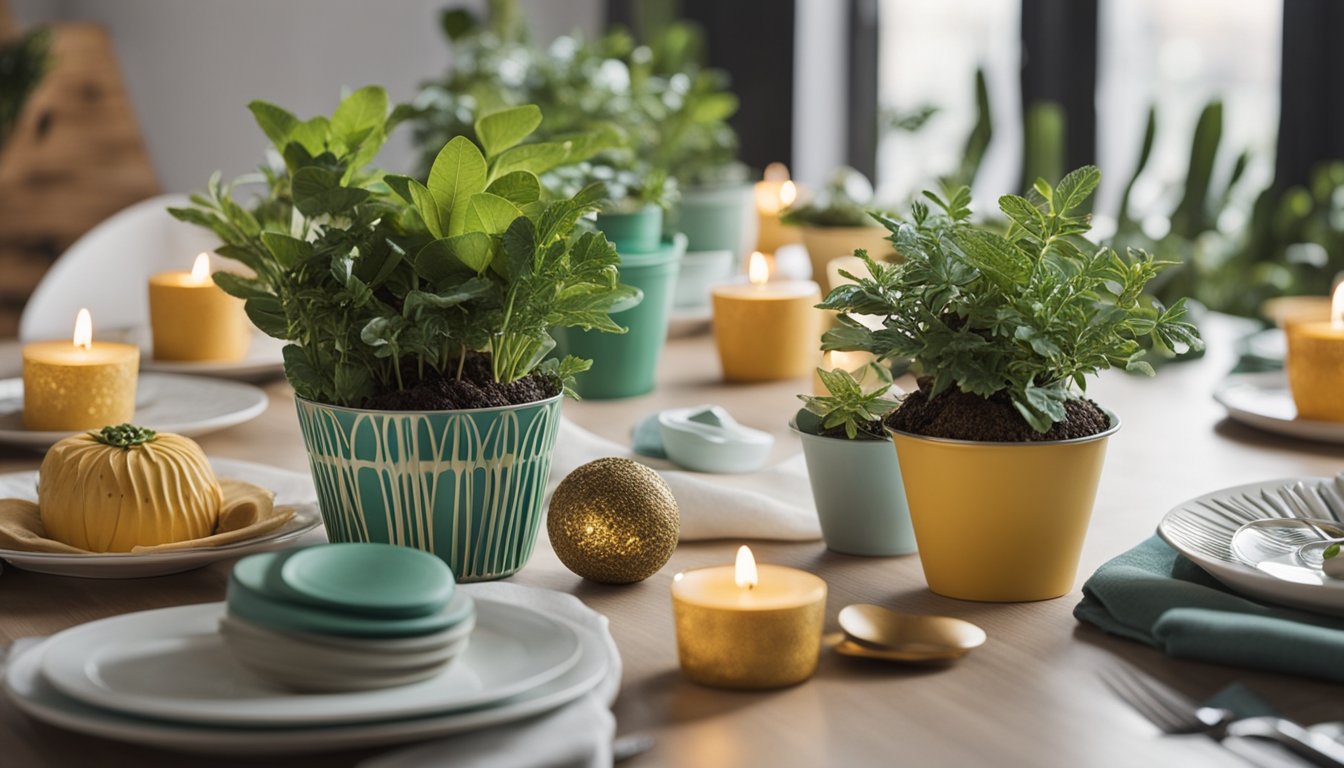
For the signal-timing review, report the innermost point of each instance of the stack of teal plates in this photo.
(345, 617)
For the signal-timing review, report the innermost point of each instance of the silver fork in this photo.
(1175, 713)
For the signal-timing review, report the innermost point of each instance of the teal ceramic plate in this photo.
(364, 578)
(257, 607)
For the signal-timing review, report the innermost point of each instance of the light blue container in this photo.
(860, 498)
(716, 218)
(465, 485)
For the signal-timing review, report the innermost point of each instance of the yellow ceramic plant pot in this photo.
(1000, 522)
(827, 243)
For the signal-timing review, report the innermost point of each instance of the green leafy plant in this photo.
(382, 282)
(853, 404)
(1031, 313)
(23, 63)
(844, 202)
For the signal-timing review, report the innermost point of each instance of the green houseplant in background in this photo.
(23, 63)
(836, 222)
(999, 452)
(418, 318)
(855, 478)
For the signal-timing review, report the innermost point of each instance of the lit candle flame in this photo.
(776, 172)
(83, 330)
(758, 269)
(788, 192)
(1337, 308)
(745, 575)
(200, 270)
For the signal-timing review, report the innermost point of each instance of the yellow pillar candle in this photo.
(744, 627)
(69, 386)
(766, 330)
(775, 193)
(192, 319)
(1315, 364)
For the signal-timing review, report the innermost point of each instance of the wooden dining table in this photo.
(1030, 696)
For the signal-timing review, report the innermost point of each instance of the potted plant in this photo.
(837, 222)
(999, 450)
(856, 480)
(418, 318)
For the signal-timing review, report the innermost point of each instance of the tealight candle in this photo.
(1315, 364)
(745, 627)
(78, 384)
(774, 194)
(193, 319)
(766, 330)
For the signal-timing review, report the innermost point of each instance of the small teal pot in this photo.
(860, 498)
(638, 231)
(717, 218)
(465, 485)
(624, 364)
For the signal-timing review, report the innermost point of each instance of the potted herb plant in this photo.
(836, 223)
(418, 318)
(856, 480)
(999, 450)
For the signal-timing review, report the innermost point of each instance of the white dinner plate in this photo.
(1202, 530)
(293, 489)
(36, 697)
(264, 359)
(172, 664)
(1263, 400)
(186, 405)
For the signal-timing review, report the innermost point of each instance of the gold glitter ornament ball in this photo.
(613, 521)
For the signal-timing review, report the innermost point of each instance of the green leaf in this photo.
(436, 262)
(359, 115)
(1074, 189)
(520, 246)
(994, 256)
(302, 375)
(268, 314)
(432, 212)
(474, 249)
(536, 158)
(241, 287)
(312, 135)
(519, 187)
(501, 130)
(288, 251)
(318, 191)
(1330, 552)
(457, 174)
(275, 122)
(490, 214)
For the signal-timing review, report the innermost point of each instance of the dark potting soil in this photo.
(476, 389)
(871, 431)
(960, 416)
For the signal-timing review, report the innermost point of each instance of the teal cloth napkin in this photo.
(1154, 595)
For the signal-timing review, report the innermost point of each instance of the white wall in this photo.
(193, 65)
(820, 108)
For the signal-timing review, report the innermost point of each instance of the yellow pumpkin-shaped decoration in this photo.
(125, 486)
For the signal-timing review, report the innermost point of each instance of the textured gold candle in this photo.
(767, 330)
(1315, 364)
(192, 319)
(748, 628)
(775, 193)
(81, 385)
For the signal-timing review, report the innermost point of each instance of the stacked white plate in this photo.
(165, 678)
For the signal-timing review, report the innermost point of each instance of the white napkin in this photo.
(774, 503)
(578, 735)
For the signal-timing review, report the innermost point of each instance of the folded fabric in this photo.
(248, 511)
(774, 503)
(1154, 595)
(578, 735)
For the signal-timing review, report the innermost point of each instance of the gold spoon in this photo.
(876, 632)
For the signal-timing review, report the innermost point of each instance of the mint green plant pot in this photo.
(624, 364)
(638, 231)
(717, 218)
(860, 498)
(465, 485)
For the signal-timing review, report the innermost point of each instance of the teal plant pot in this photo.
(717, 218)
(638, 231)
(624, 364)
(860, 498)
(465, 485)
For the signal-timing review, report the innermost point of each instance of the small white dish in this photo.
(1263, 401)
(187, 405)
(706, 438)
(1203, 529)
(294, 489)
(171, 664)
(36, 697)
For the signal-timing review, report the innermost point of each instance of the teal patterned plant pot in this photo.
(465, 485)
